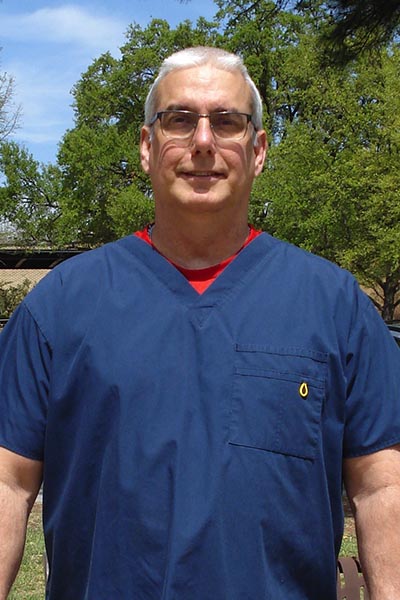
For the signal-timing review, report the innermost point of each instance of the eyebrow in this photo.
(186, 107)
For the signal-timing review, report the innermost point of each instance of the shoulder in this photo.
(305, 267)
(89, 268)
(317, 287)
(73, 289)
(97, 261)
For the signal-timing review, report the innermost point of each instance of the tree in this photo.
(330, 186)
(108, 194)
(9, 112)
(333, 179)
(30, 196)
(354, 26)
(97, 191)
(358, 25)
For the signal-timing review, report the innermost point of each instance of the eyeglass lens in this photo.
(181, 124)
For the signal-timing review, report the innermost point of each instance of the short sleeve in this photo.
(25, 357)
(373, 386)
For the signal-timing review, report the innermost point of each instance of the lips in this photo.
(203, 174)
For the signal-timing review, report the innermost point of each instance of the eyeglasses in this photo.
(181, 124)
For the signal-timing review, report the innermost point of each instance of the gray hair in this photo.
(195, 57)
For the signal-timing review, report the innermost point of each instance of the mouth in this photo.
(202, 175)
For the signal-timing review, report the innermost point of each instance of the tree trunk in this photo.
(391, 289)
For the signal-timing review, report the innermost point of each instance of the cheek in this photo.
(239, 157)
(165, 157)
(241, 166)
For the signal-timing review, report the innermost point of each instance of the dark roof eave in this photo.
(40, 259)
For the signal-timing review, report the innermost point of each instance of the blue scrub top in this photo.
(193, 444)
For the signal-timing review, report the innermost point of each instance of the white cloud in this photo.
(35, 137)
(67, 24)
(48, 44)
(41, 90)
(50, 49)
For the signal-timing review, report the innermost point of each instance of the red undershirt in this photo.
(201, 279)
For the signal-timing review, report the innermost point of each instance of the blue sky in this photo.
(46, 45)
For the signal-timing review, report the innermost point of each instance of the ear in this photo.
(145, 145)
(260, 151)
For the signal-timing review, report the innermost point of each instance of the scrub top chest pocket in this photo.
(277, 399)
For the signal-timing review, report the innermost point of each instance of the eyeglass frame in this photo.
(199, 116)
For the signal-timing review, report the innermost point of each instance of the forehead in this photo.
(204, 88)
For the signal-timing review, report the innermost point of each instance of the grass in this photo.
(30, 584)
(349, 542)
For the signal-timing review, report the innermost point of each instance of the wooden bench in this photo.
(350, 580)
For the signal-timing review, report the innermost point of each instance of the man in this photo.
(196, 392)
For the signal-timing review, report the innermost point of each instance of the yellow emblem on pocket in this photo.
(303, 390)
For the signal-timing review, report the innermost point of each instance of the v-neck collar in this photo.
(234, 276)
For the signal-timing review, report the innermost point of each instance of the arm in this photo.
(20, 480)
(373, 487)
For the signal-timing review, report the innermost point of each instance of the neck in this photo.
(198, 243)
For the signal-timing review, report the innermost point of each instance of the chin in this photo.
(205, 202)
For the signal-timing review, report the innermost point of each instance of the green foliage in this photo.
(99, 158)
(11, 296)
(96, 163)
(331, 182)
(130, 210)
(354, 27)
(332, 178)
(81, 200)
(360, 25)
(30, 200)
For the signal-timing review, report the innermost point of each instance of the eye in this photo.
(229, 124)
(179, 119)
(225, 120)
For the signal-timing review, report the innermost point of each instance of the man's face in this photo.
(202, 174)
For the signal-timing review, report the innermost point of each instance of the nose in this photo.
(203, 138)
